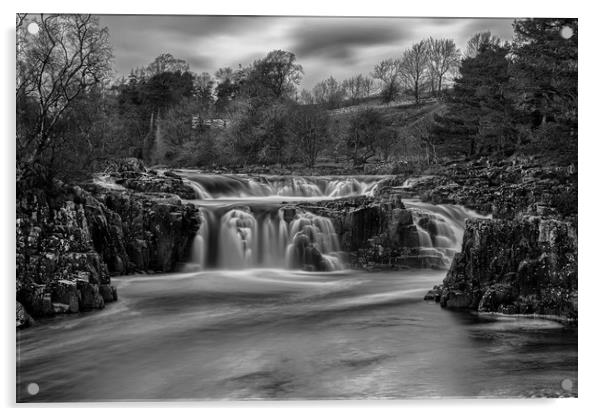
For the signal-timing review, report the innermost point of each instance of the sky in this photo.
(324, 46)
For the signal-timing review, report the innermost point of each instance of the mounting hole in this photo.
(33, 389)
(33, 28)
(567, 384)
(566, 32)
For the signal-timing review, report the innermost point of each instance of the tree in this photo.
(309, 130)
(545, 69)
(227, 89)
(329, 93)
(384, 141)
(363, 127)
(69, 56)
(443, 59)
(480, 40)
(306, 97)
(413, 67)
(275, 76)
(388, 72)
(357, 87)
(544, 83)
(166, 63)
(203, 91)
(480, 105)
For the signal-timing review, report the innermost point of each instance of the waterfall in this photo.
(200, 192)
(313, 242)
(238, 240)
(439, 228)
(247, 239)
(200, 244)
(251, 221)
(227, 187)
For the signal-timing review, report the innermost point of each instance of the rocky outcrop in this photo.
(71, 239)
(508, 189)
(155, 183)
(526, 266)
(377, 232)
(141, 231)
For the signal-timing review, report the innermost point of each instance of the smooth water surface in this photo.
(281, 334)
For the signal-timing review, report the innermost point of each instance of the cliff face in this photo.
(71, 240)
(515, 266)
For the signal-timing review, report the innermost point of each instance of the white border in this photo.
(589, 189)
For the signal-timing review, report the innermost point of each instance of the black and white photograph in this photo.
(295, 207)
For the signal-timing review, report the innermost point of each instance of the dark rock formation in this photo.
(434, 294)
(526, 265)
(377, 232)
(153, 183)
(70, 240)
(23, 318)
(507, 189)
(143, 232)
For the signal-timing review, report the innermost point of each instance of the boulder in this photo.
(65, 292)
(23, 318)
(90, 297)
(107, 293)
(455, 299)
(434, 294)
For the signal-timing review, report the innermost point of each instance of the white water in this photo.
(263, 332)
(244, 218)
(237, 187)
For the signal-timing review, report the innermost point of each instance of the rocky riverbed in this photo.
(524, 260)
(72, 238)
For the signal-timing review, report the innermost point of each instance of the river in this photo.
(269, 310)
(281, 334)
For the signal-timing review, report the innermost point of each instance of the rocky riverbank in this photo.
(524, 260)
(71, 239)
(525, 266)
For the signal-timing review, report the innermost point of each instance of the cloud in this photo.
(342, 38)
(325, 46)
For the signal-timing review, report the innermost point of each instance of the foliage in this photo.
(309, 131)
(363, 127)
(413, 68)
(64, 61)
(505, 99)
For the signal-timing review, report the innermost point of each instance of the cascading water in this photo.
(245, 225)
(238, 240)
(313, 238)
(440, 228)
(229, 187)
(200, 244)
(245, 239)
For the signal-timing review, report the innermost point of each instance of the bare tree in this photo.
(309, 127)
(329, 93)
(306, 97)
(68, 56)
(388, 72)
(478, 40)
(443, 59)
(358, 87)
(414, 67)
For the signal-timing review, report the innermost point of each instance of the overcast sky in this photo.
(325, 46)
